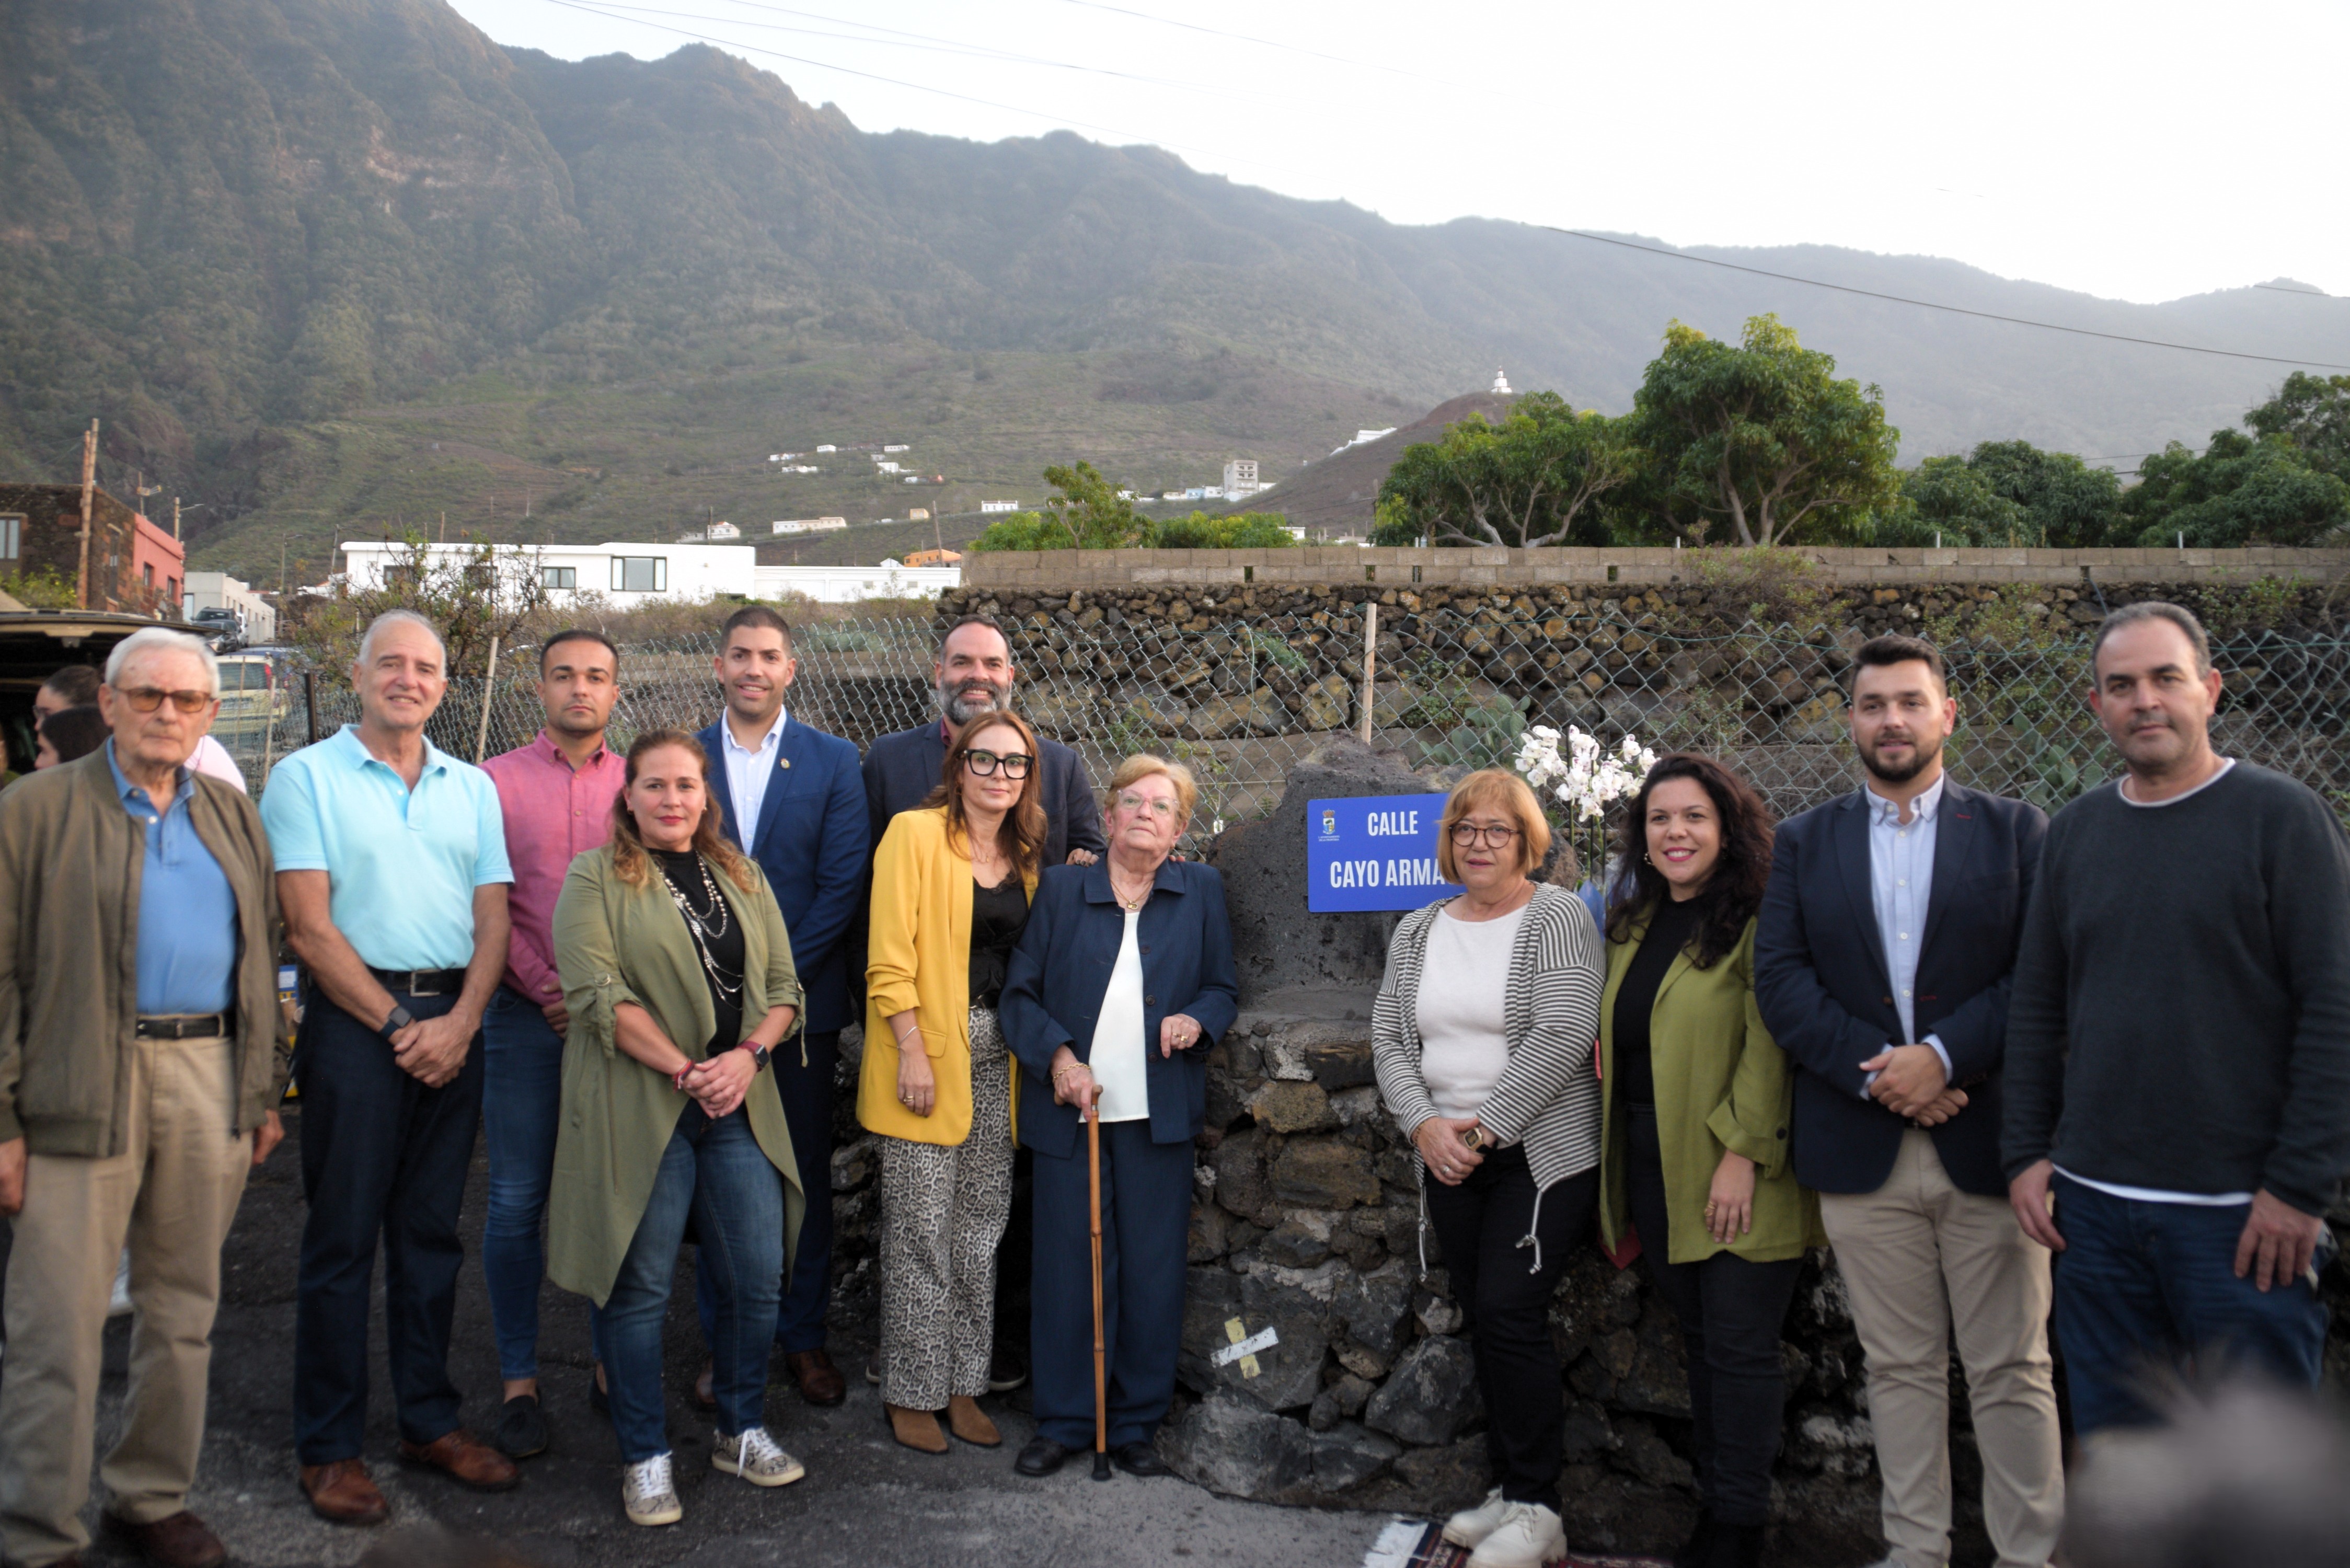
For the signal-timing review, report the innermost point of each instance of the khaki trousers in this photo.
(1919, 1258)
(170, 1196)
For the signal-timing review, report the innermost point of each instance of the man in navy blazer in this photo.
(792, 801)
(1883, 957)
(972, 671)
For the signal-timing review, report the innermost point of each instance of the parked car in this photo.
(36, 644)
(255, 695)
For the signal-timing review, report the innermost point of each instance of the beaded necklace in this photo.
(704, 926)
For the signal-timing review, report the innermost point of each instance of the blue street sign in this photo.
(1373, 852)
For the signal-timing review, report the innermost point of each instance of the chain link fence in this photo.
(1241, 701)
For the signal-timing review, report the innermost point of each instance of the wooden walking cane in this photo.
(1101, 1365)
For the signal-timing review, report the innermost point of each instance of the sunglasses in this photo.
(1015, 764)
(147, 699)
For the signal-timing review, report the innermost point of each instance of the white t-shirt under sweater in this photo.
(1118, 1058)
(1463, 1016)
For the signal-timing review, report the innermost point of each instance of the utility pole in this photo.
(89, 479)
(176, 517)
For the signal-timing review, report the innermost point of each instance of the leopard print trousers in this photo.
(942, 1211)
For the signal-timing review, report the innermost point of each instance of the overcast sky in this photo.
(2137, 151)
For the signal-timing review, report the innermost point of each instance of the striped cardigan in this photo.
(1549, 1096)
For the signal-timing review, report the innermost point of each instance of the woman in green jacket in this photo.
(1694, 1126)
(678, 973)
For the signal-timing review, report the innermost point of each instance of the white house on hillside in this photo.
(624, 575)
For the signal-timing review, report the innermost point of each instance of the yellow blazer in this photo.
(918, 957)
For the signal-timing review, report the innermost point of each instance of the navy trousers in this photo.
(383, 1156)
(2148, 1290)
(807, 1284)
(1146, 1233)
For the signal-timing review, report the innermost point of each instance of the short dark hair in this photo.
(1898, 648)
(2145, 610)
(988, 622)
(577, 634)
(76, 683)
(758, 615)
(74, 732)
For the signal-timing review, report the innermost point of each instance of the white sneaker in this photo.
(1529, 1536)
(648, 1494)
(119, 1305)
(754, 1457)
(1471, 1525)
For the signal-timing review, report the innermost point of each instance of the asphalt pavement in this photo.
(865, 1503)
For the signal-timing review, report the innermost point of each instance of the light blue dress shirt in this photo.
(1901, 882)
(402, 865)
(748, 771)
(187, 910)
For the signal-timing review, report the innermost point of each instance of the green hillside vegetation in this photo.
(333, 268)
(1760, 443)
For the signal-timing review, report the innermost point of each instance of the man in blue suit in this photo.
(1882, 962)
(794, 800)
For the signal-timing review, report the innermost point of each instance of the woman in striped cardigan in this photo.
(1489, 1069)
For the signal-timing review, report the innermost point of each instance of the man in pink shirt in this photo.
(556, 795)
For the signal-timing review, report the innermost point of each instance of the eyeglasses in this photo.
(1466, 835)
(1015, 765)
(147, 699)
(1158, 806)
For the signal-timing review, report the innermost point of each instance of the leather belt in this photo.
(420, 982)
(183, 1026)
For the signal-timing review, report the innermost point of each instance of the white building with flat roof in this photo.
(218, 591)
(1240, 477)
(999, 506)
(847, 585)
(807, 524)
(624, 575)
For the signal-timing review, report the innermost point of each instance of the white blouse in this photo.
(1463, 1022)
(1119, 1050)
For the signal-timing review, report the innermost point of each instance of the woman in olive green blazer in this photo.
(678, 973)
(1694, 1122)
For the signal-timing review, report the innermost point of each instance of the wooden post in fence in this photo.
(1370, 661)
(489, 684)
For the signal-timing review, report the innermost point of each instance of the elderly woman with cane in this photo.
(1122, 981)
(952, 883)
(1482, 1038)
(678, 973)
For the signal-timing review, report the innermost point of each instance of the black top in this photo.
(998, 916)
(2181, 1017)
(719, 939)
(1669, 931)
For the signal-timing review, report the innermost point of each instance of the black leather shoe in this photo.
(1140, 1460)
(522, 1428)
(1042, 1457)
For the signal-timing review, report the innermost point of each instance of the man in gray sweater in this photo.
(2179, 1044)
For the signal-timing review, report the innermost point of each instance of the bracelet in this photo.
(901, 1039)
(677, 1079)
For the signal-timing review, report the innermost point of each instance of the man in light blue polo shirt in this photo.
(391, 870)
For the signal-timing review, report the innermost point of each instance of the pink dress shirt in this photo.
(552, 815)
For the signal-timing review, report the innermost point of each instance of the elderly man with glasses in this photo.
(138, 1070)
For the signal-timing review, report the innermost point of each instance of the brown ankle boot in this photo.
(969, 1423)
(917, 1429)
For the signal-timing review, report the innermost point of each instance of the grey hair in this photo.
(161, 639)
(401, 617)
(2156, 609)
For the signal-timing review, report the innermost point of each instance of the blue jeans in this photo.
(2147, 1289)
(522, 1104)
(806, 1093)
(382, 1158)
(716, 1172)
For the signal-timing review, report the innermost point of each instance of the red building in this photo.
(134, 566)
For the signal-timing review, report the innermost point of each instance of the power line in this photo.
(874, 77)
(1931, 304)
(900, 39)
(1243, 37)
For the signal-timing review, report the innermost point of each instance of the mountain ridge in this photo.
(339, 266)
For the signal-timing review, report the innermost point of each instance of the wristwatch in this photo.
(758, 1054)
(399, 1019)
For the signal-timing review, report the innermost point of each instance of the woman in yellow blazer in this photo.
(951, 885)
(1693, 1129)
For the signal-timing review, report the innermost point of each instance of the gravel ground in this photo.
(866, 1503)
